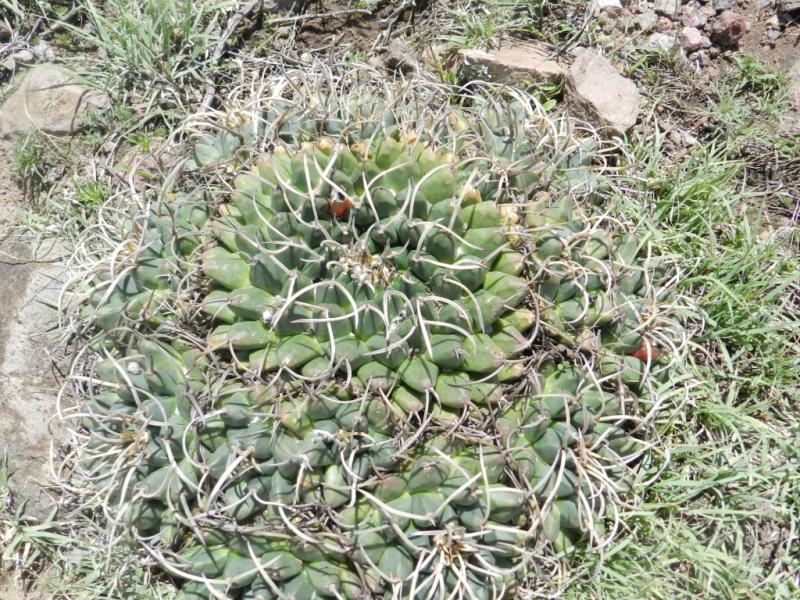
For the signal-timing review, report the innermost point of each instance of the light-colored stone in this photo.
(599, 6)
(691, 39)
(794, 84)
(662, 41)
(788, 5)
(513, 61)
(708, 11)
(646, 21)
(43, 52)
(720, 5)
(668, 8)
(599, 94)
(50, 99)
(692, 17)
(24, 56)
(20, 58)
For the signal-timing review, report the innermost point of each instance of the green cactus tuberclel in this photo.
(384, 364)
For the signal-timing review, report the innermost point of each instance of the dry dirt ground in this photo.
(780, 53)
(9, 590)
(29, 286)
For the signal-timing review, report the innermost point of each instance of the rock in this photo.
(668, 8)
(49, 99)
(606, 21)
(692, 40)
(398, 56)
(692, 17)
(646, 21)
(703, 58)
(728, 29)
(773, 22)
(762, 4)
(720, 5)
(24, 56)
(20, 58)
(599, 6)
(794, 84)
(662, 41)
(663, 25)
(708, 11)
(31, 275)
(773, 34)
(788, 5)
(599, 94)
(43, 52)
(513, 61)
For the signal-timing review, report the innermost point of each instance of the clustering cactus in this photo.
(385, 363)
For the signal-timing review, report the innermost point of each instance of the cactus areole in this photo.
(378, 365)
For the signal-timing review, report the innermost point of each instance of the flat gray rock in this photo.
(600, 95)
(28, 389)
(49, 98)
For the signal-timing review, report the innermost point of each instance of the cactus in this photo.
(383, 364)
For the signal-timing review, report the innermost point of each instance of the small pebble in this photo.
(663, 25)
(43, 52)
(646, 21)
(663, 41)
(24, 56)
(691, 39)
(692, 17)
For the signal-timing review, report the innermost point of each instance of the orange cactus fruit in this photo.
(645, 352)
(340, 208)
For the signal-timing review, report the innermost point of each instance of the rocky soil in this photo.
(29, 285)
